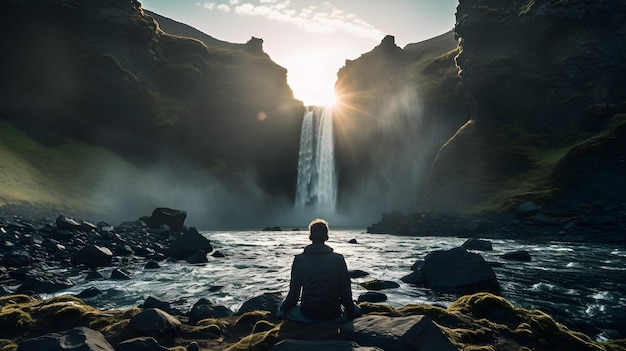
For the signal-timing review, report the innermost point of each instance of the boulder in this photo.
(167, 216)
(520, 255)
(197, 257)
(379, 284)
(145, 343)
(119, 274)
(152, 264)
(67, 223)
(324, 345)
(89, 292)
(79, 339)
(416, 278)
(188, 243)
(266, 302)
(477, 244)
(152, 302)
(372, 296)
(16, 258)
(396, 333)
(204, 309)
(93, 256)
(357, 273)
(458, 271)
(154, 322)
(45, 285)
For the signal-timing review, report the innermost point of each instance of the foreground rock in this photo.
(397, 334)
(79, 339)
(458, 271)
(473, 322)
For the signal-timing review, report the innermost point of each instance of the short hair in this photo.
(318, 230)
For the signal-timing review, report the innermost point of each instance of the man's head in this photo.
(318, 231)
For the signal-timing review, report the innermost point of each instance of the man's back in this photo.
(323, 276)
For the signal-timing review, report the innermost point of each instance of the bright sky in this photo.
(312, 39)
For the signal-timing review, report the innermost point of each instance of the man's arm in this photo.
(295, 285)
(346, 289)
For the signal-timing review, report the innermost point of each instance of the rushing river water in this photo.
(580, 285)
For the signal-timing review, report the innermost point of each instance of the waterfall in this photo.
(317, 181)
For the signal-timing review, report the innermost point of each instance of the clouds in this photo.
(323, 18)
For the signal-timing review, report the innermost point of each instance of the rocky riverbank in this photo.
(588, 223)
(31, 248)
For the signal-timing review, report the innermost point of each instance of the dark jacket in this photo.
(320, 280)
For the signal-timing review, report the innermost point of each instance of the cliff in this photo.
(397, 106)
(547, 93)
(105, 73)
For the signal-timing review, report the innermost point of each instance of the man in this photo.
(320, 281)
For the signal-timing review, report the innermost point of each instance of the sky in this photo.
(313, 39)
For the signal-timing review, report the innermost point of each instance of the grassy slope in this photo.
(63, 177)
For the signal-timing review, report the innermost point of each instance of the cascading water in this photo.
(317, 181)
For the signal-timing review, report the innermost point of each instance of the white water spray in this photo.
(317, 181)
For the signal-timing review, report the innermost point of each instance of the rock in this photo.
(79, 339)
(193, 346)
(352, 241)
(154, 322)
(458, 271)
(416, 278)
(174, 219)
(396, 333)
(94, 275)
(45, 285)
(520, 255)
(124, 250)
(324, 345)
(152, 265)
(89, 292)
(218, 254)
(204, 309)
(266, 302)
(417, 265)
(92, 256)
(67, 223)
(119, 274)
(145, 343)
(372, 296)
(16, 258)
(272, 229)
(379, 284)
(527, 209)
(152, 302)
(357, 273)
(197, 257)
(477, 244)
(188, 243)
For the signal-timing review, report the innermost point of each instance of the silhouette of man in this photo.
(320, 281)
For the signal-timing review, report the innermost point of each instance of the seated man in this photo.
(320, 281)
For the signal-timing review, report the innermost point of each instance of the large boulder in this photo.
(79, 339)
(172, 218)
(397, 333)
(189, 243)
(205, 309)
(141, 344)
(93, 256)
(46, 285)
(266, 302)
(324, 345)
(458, 271)
(154, 322)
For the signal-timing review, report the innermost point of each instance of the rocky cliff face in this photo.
(547, 85)
(106, 73)
(397, 106)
